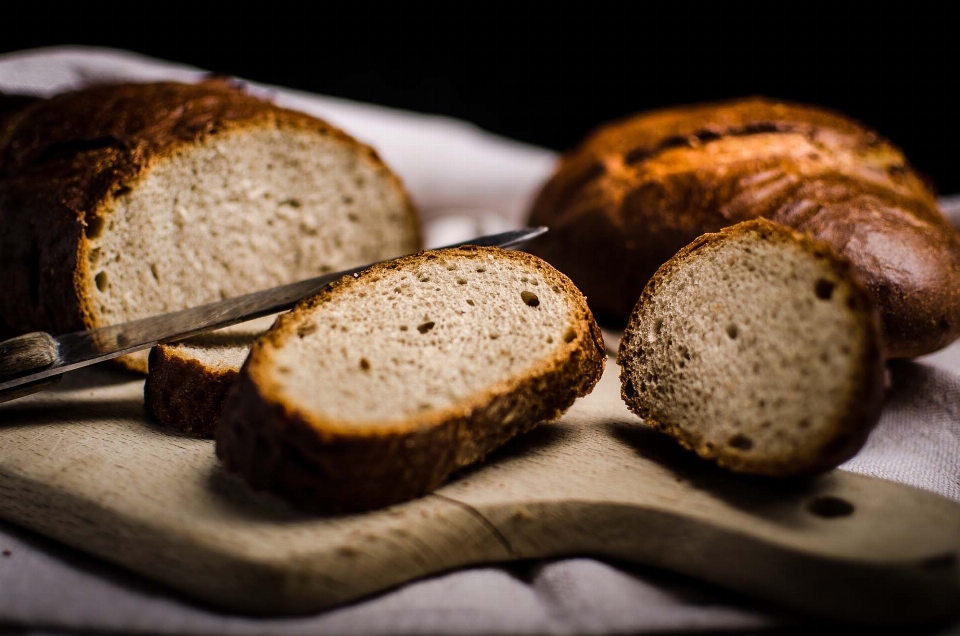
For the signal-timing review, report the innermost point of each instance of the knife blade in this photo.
(34, 361)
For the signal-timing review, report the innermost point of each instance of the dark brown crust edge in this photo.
(865, 402)
(183, 393)
(324, 466)
(65, 159)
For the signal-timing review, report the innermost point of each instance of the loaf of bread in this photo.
(188, 381)
(758, 348)
(380, 387)
(125, 201)
(636, 191)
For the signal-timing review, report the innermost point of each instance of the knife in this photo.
(35, 361)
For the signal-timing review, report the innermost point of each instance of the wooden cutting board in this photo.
(81, 464)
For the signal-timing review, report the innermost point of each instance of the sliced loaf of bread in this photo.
(378, 388)
(188, 381)
(758, 348)
(125, 201)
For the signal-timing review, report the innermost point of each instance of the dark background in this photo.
(547, 73)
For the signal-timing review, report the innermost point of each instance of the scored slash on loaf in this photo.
(380, 387)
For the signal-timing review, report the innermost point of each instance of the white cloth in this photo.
(465, 181)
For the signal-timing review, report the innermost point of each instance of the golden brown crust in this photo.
(865, 397)
(64, 160)
(345, 466)
(638, 190)
(184, 393)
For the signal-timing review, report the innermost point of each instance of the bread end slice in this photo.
(188, 381)
(377, 389)
(756, 347)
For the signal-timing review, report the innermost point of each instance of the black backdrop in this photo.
(547, 73)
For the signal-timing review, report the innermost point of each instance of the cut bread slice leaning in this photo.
(380, 387)
(188, 381)
(126, 201)
(758, 348)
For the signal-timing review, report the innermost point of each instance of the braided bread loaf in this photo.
(636, 191)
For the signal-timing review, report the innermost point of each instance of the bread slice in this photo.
(758, 348)
(125, 201)
(188, 381)
(380, 387)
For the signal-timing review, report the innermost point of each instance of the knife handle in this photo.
(23, 354)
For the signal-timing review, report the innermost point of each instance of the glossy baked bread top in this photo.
(637, 190)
